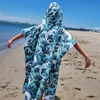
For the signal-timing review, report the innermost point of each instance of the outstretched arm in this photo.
(80, 49)
(14, 38)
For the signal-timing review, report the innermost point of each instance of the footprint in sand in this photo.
(80, 69)
(82, 41)
(16, 70)
(12, 88)
(69, 53)
(95, 72)
(79, 89)
(93, 64)
(69, 91)
(67, 78)
(75, 57)
(62, 84)
(79, 63)
(66, 60)
(70, 73)
(91, 78)
(81, 99)
(14, 94)
(91, 97)
(4, 86)
(87, 71)
(66, 64)
(84, 71)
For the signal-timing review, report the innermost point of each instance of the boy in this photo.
(44, 47)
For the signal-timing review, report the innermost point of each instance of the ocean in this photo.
(9, 30)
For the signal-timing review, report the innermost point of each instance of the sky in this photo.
(76, 13)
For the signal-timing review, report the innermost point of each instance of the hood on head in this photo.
(53, 15)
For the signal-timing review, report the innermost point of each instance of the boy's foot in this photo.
(23, 90)
(54, 99)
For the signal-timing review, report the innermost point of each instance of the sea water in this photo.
(8, 31)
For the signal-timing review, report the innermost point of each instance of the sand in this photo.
(75, 81)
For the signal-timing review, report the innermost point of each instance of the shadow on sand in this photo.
(57, 98)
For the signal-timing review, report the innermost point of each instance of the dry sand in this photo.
(75, 82)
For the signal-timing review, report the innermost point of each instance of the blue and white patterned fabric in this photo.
(44, 47)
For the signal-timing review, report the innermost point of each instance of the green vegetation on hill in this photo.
(67, 28)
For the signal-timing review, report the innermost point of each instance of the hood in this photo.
(53, 15)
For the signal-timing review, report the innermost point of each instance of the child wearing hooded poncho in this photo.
(44, 47)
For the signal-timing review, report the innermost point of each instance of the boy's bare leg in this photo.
(41, 97)
(54, 99)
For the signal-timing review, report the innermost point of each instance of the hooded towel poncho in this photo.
(44, 47)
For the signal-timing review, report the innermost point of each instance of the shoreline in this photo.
(2, 51)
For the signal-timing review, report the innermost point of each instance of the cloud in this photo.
(5, 15)
(95, 28)
(0, 14)
(98, 28)
(19, 19)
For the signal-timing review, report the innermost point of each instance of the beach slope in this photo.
(75, 82)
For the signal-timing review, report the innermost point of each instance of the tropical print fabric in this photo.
(44, 47)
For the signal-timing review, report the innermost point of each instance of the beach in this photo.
(75, 81)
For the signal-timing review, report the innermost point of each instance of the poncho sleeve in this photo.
(28, 31)
(29, 35)
(67, 42)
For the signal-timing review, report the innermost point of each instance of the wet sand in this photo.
(75, 81)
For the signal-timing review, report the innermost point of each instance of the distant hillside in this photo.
(17, 22)
(67, 28)
(80, 29)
